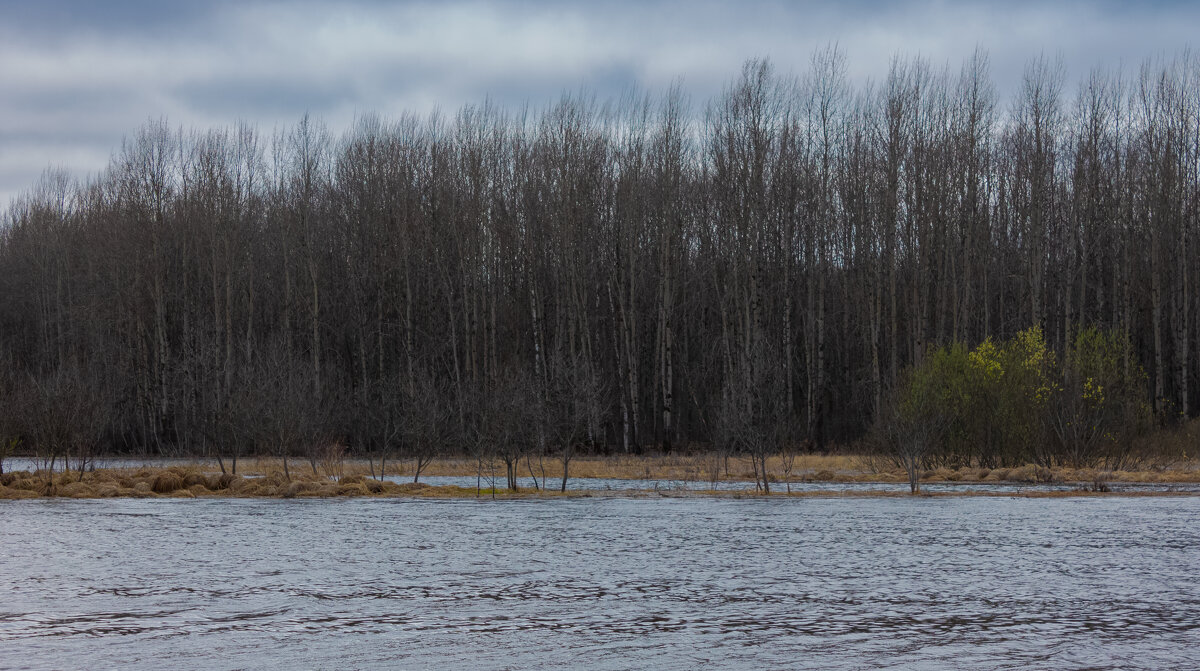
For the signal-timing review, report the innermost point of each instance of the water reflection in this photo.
(603, 583)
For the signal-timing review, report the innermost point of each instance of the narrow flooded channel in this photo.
(608, 583)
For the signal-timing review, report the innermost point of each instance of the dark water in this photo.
(977, 583)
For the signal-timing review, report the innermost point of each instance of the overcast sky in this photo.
(76, 77)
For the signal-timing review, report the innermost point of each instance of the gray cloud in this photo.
(77, 77)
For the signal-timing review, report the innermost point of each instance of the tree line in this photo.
(641, 273)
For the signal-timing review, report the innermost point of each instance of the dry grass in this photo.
(192, 482)
(165, 483)
(10, 494)
(267, 479)
(683, 467)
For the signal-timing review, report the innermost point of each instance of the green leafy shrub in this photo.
(1014, 402)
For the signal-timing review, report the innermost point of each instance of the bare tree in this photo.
(291, 420)
(913, 428)
(63, 417)
(576, 401)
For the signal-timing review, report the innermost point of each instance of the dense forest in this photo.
(645, 273)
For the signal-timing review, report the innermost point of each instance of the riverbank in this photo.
(200, 481)
(694, 468)
(713, 468)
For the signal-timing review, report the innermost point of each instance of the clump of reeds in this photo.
(13, 493)
(1031, 473)
(353, 489)
(76, 490)
(299, 488)
(411, 488)
(26, 483)
(222, 481)
(166, 482)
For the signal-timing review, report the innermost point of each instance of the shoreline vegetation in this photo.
(800, 264)
(264, 478)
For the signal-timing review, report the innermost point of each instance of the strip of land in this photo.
(665, 475)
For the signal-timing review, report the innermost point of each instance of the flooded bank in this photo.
(124, 477)
(978, 583)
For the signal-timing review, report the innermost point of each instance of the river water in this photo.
(603, 583)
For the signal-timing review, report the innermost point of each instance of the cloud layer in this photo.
(77, 77)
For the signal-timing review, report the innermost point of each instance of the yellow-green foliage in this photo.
(1104, 366)
(987, 400)
(1101, 405)
(1004, 402)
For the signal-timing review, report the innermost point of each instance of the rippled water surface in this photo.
(977, 583)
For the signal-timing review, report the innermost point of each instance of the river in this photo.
(601, 583)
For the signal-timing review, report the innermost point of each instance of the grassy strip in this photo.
(701, 468)
(199, 482)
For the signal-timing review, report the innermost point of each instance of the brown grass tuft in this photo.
(11, 494)
(1031, 473)
(273, 479)
(108, 490)
(410, 488)
(192, 479)
(255, 487)
(77, 490)
(28, 484)
(298, 488)
(167, 482)
(353, 489)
